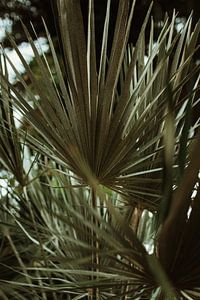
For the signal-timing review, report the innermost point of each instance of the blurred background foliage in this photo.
(32, 10)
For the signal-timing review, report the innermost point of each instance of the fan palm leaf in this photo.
(102, 134)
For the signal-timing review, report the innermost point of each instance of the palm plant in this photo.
(107, 166)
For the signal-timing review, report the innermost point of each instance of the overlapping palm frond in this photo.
(180, 259)
(59, 226)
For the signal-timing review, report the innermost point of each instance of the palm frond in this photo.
(10, 145)
(98, 131)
